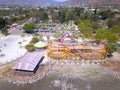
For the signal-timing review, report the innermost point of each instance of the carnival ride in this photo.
(62, 49)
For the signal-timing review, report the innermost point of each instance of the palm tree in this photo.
(20, 44)
(22, 35)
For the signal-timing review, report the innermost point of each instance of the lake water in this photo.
(70, 79)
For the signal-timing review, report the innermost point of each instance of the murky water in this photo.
(82, 79)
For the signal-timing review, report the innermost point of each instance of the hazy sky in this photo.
(60, 0)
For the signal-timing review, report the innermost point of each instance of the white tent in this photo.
(51, 38)
(44, 38)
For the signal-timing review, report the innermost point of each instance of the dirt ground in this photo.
(4, 69)
(113, 62)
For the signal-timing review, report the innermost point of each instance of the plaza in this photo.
(11, 49)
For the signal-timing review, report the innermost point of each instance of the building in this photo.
(29, 63)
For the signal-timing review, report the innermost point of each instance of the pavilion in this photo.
(29, 63)
(40, 45)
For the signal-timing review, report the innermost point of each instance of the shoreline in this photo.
(43, 71)
(20, 78)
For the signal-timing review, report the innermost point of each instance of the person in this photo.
(0, 45)
(5, 44)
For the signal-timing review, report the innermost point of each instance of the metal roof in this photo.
(28, 62)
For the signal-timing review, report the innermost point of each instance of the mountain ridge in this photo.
(50, 2)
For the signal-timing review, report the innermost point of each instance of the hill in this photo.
(62, 2)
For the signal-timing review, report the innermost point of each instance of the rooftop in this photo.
(29, 61)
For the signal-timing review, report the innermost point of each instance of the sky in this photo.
(61, 0)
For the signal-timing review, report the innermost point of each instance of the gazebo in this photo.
(40, 45)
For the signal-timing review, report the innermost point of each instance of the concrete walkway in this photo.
(11, 49)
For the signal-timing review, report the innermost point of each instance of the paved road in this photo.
(18, 30)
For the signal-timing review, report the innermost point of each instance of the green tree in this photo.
(22, 35)
(13, 18)
(95, 25)
(29, 27)
(79, 11)
(111, 47)
(2, 23)
(34, 40)
(86, 35)
(62, 15)
(54, 15)
(39, 36)
(21, 17)
(4, 31)
(71, 14)
(111, 22)
(100, 34)
(20, 44)
(85, 26)
(103, 34)
(88, 16)
(39, 14)
(106, 14)
(111, 37)
(116, 29)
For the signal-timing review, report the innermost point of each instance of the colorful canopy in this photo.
(28, 62)
(40, 44)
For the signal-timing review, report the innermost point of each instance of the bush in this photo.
(111, 48)
(19, 43)
(34, 40)
(30, 47)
